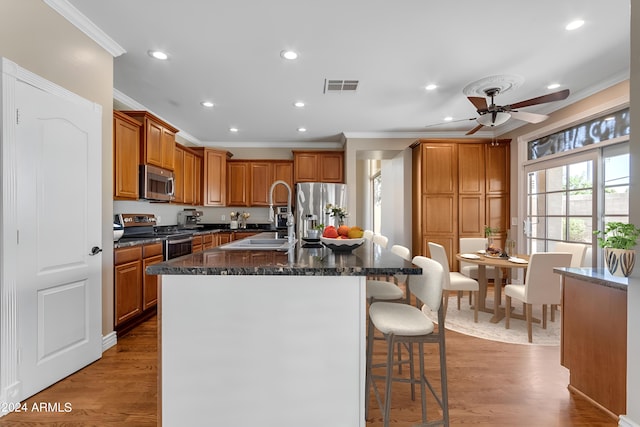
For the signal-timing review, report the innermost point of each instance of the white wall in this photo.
(633, 292)
(396, 199)
(358, 149)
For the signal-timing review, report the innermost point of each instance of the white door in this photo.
(58, 219)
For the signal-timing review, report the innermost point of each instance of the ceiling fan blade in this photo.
(474, 130)
(556, 96)
(528, 117)
(479, 103)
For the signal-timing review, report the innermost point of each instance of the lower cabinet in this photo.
(135, 292)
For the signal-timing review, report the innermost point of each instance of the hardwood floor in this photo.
(490, 384)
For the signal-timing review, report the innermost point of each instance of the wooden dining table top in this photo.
(492, 261)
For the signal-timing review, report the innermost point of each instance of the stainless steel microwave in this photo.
(156, 183)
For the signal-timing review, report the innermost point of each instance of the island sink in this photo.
(258, 244)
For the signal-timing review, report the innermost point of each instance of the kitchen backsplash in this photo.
(167, 214)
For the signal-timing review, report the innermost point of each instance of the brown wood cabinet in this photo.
(186, 176)
(197, 180)
(178, 175)
(594, 342)
(213, 178)
(151, 254)
(237, 183)
(459, 187)
(157, 140)
(135, 292)
(196, 244)
(249, 181)
(126, 157)
(128, 284)
(224, 237)
(318, 166)
(208, 241)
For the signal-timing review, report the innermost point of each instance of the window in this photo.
(377, 201)
(605, 128)
(565, 199)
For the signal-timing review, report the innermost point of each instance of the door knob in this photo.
(95, 251)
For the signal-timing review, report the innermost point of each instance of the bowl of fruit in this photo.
(343, 238)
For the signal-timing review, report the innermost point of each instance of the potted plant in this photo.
(618, 240)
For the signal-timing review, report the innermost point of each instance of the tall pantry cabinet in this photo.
(459, 187)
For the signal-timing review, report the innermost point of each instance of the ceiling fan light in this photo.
(487, 119)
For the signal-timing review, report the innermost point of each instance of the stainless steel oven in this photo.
(177, 245)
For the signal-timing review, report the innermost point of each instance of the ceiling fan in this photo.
(494, 115)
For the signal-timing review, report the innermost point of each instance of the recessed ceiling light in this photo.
(158, 54)
(448, 119)
(574, 25)
(431, 86)
(289, 54)
(207, 104)
(298, 104)
(553, 86)
(302, 129)
(233, 129)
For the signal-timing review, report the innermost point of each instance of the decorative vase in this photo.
(620, 262)
(233, 224)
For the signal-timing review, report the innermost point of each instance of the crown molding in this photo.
(84, 24)
(135, 105)
(301, 145)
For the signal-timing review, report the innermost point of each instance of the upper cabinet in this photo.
(214, 176)
(186, 176)
(157, 140)
(237, 183)
(318, 166)
(249, 182)
(126, 140)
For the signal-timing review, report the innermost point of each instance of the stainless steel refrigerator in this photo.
(311, 201)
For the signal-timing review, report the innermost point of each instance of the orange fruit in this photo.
(343, 230)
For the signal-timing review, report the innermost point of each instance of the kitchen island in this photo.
(594, 336)
(267, 338)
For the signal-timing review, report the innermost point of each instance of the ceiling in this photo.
(228, 52)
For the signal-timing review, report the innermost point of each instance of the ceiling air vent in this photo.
(340, 85)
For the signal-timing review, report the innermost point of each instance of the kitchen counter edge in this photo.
(599, 276)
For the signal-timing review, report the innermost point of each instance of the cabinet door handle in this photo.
(95, 250)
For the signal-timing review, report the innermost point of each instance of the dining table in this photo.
(483, 260)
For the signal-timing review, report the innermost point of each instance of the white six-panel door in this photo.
(57, 220)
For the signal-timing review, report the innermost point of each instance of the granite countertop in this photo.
(599, 276)
(204, 229)
(301, 260)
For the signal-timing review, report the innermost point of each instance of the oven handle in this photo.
(188, 239)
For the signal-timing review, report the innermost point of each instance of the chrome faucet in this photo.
(291, 234)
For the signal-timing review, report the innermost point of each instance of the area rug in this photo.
(462, 321)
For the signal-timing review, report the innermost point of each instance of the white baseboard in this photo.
(625, 421)
(109, 341)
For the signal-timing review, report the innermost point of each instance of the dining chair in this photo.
(368, 234)
(408, 324)
(380, 240)
(470, 245)
(541, 286)
(454, 280)
(577, 251)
